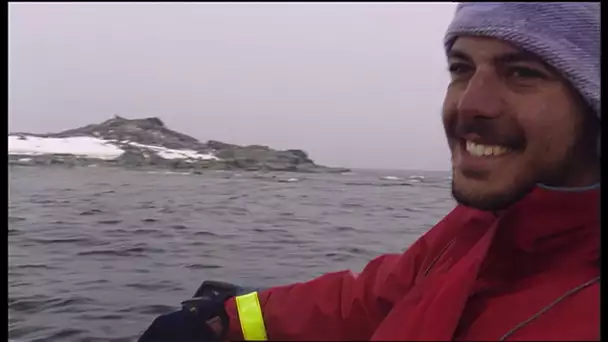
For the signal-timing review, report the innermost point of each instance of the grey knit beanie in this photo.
(566, 35)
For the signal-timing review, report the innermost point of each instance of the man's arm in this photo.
(335, 306)
(342, 306)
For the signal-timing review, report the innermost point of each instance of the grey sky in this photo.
(353, 84)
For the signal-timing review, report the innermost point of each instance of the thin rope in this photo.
(548, 307)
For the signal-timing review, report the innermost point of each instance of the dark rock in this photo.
(218, 145)
(132, 158)
(301, 155)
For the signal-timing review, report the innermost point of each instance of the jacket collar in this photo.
(548, 218)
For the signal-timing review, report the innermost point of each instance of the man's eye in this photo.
(459, 68)
(524, 73)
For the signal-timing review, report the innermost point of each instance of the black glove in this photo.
(190, 323)
(179, 326)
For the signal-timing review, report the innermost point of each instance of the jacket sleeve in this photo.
(335, 306)
(342, 306)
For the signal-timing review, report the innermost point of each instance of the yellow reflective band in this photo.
(250, 316)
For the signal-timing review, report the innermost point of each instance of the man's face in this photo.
(512, 122)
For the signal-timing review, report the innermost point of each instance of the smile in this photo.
(480, 150)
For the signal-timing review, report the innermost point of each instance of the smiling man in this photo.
(518, 258)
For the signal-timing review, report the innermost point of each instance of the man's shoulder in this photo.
(461, 222)
(461, 226)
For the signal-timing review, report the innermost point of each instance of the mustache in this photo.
(491, 131)
(476, 126)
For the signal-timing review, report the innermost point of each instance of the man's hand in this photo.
(201, 319)
(182, 326)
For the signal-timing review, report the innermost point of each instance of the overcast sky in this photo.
(353, 84)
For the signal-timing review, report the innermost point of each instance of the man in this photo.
(518, 258)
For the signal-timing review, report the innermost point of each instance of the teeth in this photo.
(479, 150)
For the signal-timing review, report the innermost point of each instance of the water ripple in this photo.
(125, 252)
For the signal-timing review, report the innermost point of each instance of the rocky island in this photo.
(147, 143)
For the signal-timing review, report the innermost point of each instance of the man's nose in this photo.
(482, 97)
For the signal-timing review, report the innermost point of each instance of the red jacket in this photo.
(474, 276)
